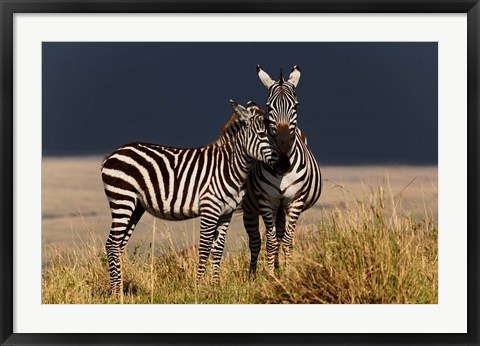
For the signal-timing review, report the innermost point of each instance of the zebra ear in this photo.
(264, 77)
(241, 112)
(294, 76)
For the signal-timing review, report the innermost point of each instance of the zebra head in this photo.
(257, 143)
(282, 107)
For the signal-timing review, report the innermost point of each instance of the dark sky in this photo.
(360, 103)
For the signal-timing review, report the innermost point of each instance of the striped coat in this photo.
(178, 184)
(280, 194)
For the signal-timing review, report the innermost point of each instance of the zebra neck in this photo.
(228, 134)
(286, 161)
(236, 164)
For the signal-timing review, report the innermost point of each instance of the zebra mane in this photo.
(229, 124)
(233, 125)
(228, 131)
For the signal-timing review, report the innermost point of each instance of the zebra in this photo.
(178, 184)
(280, 194)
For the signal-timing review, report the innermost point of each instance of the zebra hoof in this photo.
(252, 276)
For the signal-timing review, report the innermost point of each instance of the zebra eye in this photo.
(262, 135)
(272, 129)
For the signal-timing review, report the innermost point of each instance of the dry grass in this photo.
(364, 248)
(73, 198)
(367, 253)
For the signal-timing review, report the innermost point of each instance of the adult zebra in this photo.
(280, 194)
(178, 184)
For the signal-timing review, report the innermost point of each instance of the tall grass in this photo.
(368, 250)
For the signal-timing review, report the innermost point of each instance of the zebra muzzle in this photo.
(283, 139)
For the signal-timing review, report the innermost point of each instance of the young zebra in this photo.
(280, 194)
(178, 184)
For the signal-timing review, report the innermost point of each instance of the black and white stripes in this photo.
(280, 194)
(282, 108)
(260, 163)
(178, 184)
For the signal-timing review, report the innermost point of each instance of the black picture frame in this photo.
(9, 7)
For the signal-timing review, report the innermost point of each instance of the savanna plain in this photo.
(371, 238)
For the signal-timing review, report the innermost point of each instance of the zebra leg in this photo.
(123, 224)
(208, 225)
(272, 242)
(137, 214)
(280, 228)
(219, 245)
(250, 221)
(288, 238)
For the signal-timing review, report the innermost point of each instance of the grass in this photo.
(364, 251)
